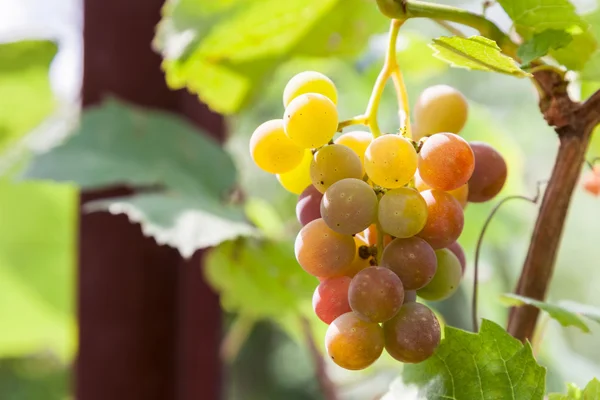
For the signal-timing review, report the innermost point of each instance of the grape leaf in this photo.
(591, 392)
(475, 52)
(541, 43)
(489, 364)
(224, 54)
(592, 68)
(565, 317)
(536, 16)
(183, 177)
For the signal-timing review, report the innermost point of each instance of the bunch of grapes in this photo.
(380, 216)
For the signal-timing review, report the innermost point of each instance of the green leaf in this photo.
(591, 392)
(536, 16)
(490, 364)
(259, 278)
(227, 54)
(541, 43)
(183, 177)
(475, 52)
(26, 96)
(592, 68)
(37, 268)
(563, 315)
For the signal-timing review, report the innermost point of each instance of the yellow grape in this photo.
(298, 179)
(402, 212)
(332, 164)
(272, 150)
(439, 108)
(309, 82)
(357, 141)
(390, 161)
(461, 194)
(310, 120)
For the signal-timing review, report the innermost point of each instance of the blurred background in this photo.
(60, 276)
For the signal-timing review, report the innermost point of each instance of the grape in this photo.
(376, 294)
(591, 183)
(390, 161)
(446, 279)
(410, 296)
(371, 235)
(413, 334)
(439, 108)
(489, 175)
(310, 120)
(272, 150)
(461, 194)
(412, 259)
(357, 141)
(359, 263)
(330, 299)
(402, 212)
(445, 219)
(298, 179)
(309, 82)
(353, 343)
(460, 254)
(323, 252)
(333, 163)
(308, 207)
(446, 161)
(349, 206)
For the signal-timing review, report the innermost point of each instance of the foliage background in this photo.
(37, 326)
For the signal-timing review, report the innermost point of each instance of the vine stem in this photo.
(325, 383)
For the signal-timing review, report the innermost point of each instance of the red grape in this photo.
(445, 219)
(489, 175)
(330, 299)
(308, 207)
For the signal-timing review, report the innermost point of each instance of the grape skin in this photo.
(349, 206)
(461, 194)
(357, 141)
(308, 207)
(410, 296)
(412, 259)
(359, 263)
(310, 120)
(272, 151)
(298, 179)
(402, 212)
(489, 174)
(445, 219)
(330, 299)
(458, 251)
(376, 294)
(370, 234)
(323, 252)
(353, 343)
(446, 161)
(446, 279)
(390, 161)
(309, 82)
(439, 108)
(333, 163)
(413, 334)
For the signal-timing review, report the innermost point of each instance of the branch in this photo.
(327, 387)
(590, 110)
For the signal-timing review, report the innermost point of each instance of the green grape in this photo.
(298, 179)
(322, 252)
(376, 294)
(390, 161)
(489, 175)
(330, 299)
(333, 163)
(349, 206)
(353, 343)
(412, 259)
(439, 108)
(413, 334)
(272, 150)
(402, 212)
(309, 82)
(446, 161)
(445, 219)
(446, 279)
(310, 120)
(358, 141)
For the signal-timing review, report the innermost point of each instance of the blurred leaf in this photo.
(182, 176)
(592, 68)
(591, 392)
(541, 43)
(536, 16)
(226, 59)
(415, 58)
(475, 52)
(37, 263)
(264, 216)
(259, 278)
(561, 314)
(25, 93)
(490, 364)
(586, 310)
